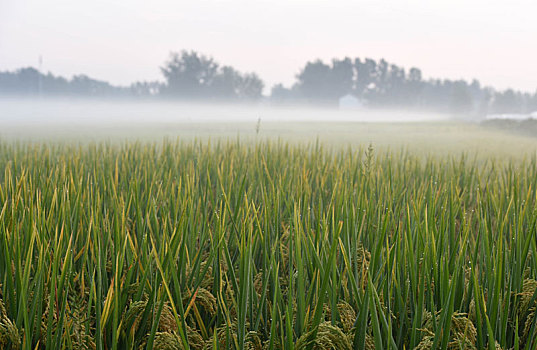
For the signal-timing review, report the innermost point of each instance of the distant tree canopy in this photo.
(380, 83)
(190, 75)
(30, 82)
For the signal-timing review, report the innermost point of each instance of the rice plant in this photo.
(226, 245)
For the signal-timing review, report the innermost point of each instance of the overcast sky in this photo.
(124, 41)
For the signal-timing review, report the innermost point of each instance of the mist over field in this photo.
(94, 112)
(89, 120)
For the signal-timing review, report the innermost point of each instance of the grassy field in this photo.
(264, 246)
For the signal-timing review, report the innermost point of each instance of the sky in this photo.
(126, 41)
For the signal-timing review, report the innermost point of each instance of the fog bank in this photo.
(66, 112)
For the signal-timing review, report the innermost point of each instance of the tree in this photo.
(342, 77)
(145, 88)
(189, 75)
(322, 83)
(226, 83)
(30, 82)
(250, 87)
(395, 86)
(280, 94)
(84, 85)
(366, 76)
(506, 102)
(27, 80)
(461, 99)
(381, 76)
(312, 82)
(533, 103)
(414, 86)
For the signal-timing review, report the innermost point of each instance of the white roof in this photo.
(348, 97)
(350, 102)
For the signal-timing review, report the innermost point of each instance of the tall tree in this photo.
(506, 102)
(250, 87)
(461, 99)
(313, 82)
(342, 77)
(365, 79)
(188, 75)
(414, 87)
(226, 83)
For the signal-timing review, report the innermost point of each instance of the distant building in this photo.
(350, 102)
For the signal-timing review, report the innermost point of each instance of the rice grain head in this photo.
(328, 337)
(463, 334)
(9, 334)
(526, 310)
(136, 311)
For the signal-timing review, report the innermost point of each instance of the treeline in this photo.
(379, 83)
(189, 75)
(30, 82)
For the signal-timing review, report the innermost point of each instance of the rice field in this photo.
(193, 245)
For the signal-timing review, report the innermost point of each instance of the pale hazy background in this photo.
(125, 41)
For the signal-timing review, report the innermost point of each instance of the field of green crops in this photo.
(264, 246)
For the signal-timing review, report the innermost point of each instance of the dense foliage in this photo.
(191, 76)
(188, 76)
(31, 82)
(172, 245)
(380, 83)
